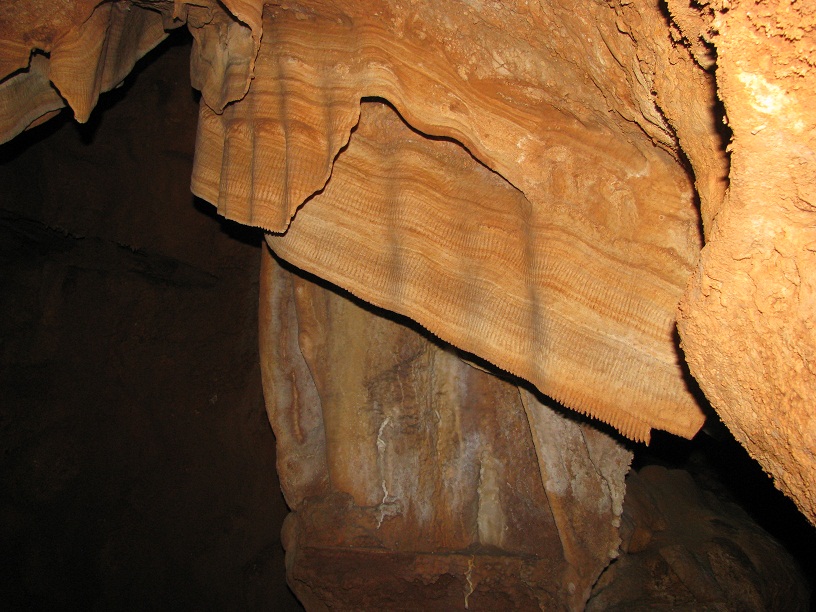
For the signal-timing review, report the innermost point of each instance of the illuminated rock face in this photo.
(539, 218)
(516, 179)
(551, 238)
(415, 476)
(747, 318)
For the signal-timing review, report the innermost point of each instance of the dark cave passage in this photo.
(138, 464)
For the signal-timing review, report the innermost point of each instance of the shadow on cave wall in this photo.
(137, 462)
(138, 465)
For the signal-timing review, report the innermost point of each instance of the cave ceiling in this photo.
(553, 190)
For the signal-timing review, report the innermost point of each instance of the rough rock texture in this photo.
(747, 319)
(619, 67)
(413, 475)
(566, 112)
(684, 549)
(138, 465)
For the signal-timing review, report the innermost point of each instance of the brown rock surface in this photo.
(68, 54)
(756, 262)
(585, 123)
(685, 549)
(413, 476)
(565, 112)
(421, 228)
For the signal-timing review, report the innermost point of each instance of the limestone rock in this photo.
(413, 476)
(570, 285)
(564, 112)
(90, 48)
(684, 549)
(590, 114)
(421, 228)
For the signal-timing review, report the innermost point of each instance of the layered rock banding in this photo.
(69, 54)
(515, 178)
(592, 255)
(568, 278)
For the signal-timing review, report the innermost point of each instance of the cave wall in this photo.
(419, 478)
(138, 465)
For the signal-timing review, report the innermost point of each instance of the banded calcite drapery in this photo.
(67, 52)
(561, 102)
(532, 219)
(569, 278)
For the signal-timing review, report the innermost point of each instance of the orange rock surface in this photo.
(415, 476)
(558, 189)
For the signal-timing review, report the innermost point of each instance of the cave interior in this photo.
(138, 463)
